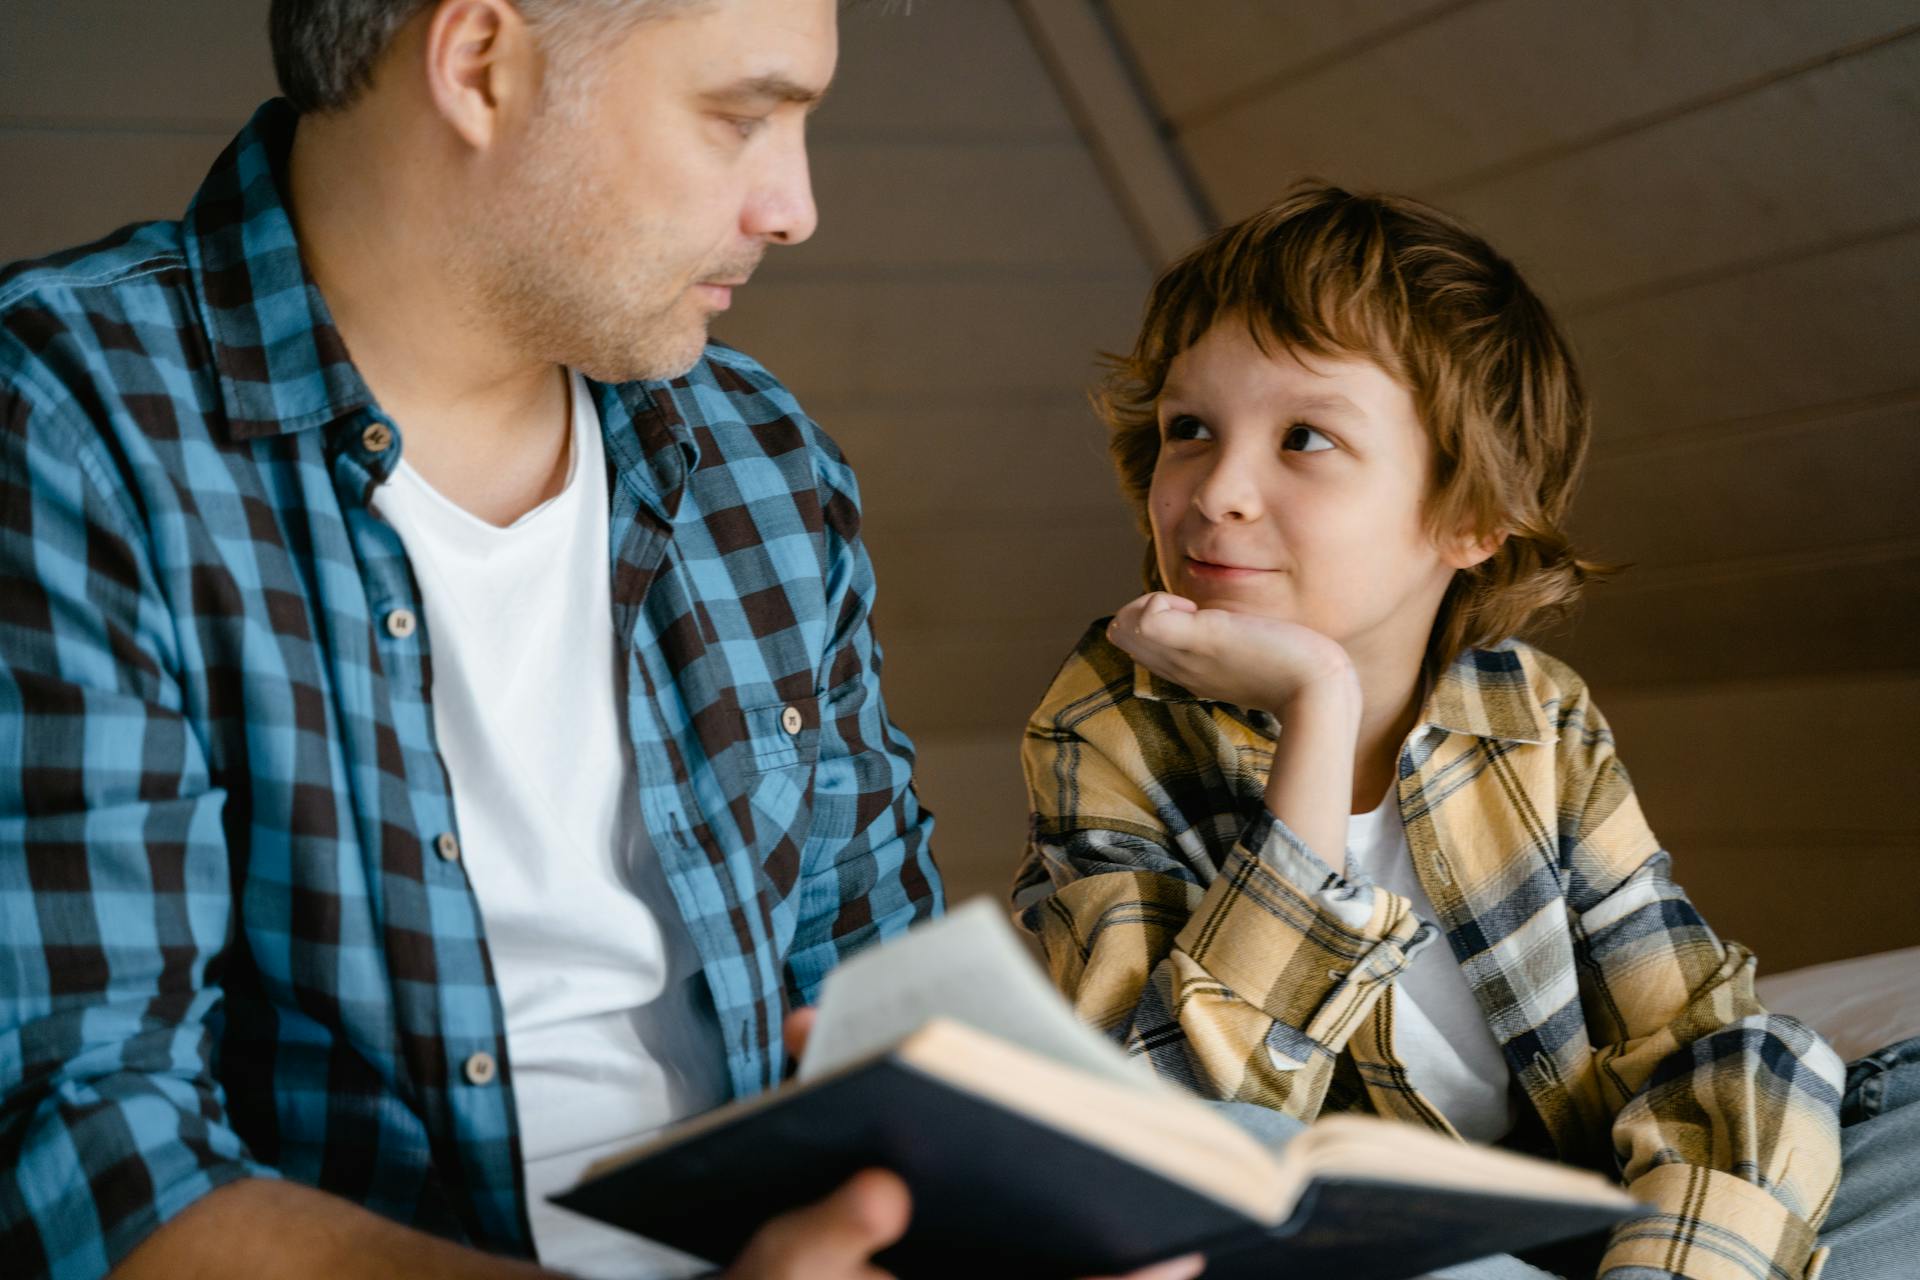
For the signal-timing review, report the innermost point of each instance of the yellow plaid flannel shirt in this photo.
(1184, 919)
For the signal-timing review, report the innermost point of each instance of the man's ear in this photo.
(1467, 548)
(482, 67)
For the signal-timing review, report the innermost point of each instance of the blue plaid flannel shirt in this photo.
(229, 948)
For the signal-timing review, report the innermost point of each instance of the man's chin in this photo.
(658, 362)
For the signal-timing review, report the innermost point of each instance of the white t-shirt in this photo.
(610, 1029)
(1439, 1033)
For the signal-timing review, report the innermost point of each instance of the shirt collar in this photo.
(1485, 693)
(282, 365)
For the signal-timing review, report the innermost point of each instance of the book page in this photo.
(970, 967)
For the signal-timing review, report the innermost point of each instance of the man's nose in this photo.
(782, 210)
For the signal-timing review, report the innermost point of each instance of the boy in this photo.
(1262, 790)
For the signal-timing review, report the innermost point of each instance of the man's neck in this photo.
(483, 423)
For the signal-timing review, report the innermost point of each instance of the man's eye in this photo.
(746, 126)
(1304, 439)
(1184, 426)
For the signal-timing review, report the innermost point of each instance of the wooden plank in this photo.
(1028, 581)
(1797, 906)
(984, 680)
(934, 337)
(1199, 53)
(979, 801)
(1511, 80)
(958, 466)
(1822, 484)
(1821, 762)
(948, 70)
(108, 62)
(891, 206)
(1104, 98)
(1815, 160)
(68, 188)
(1817, 330)
(1816, 617)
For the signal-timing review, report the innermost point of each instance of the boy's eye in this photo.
(1184, 426)
(1302, 438)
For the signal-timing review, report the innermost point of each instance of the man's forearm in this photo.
(260, 1227)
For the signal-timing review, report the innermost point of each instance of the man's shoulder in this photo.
(64, 315)
(756, 398)
(140, 257)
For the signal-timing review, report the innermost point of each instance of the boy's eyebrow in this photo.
(774, 88)
(1329, 404)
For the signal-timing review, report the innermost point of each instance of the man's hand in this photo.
(836, 1238)
(1243, 659)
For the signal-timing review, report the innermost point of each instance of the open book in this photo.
(1034, 1146)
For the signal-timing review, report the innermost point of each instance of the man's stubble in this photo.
(571, 282)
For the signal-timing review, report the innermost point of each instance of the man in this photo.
(440, 727)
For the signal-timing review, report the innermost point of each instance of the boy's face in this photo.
(1294, 490)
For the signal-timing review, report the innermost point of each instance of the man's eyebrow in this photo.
(769, 88)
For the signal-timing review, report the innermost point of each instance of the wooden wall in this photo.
(1721, 199)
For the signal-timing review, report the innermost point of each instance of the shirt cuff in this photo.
(1710, 1225)
(1289, 935)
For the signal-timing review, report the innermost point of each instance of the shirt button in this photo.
(447, 846)
(479, 1069)
(377, 438)
(791, 720)
(400, 623)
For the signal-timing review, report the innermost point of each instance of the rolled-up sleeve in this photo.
(113, 875)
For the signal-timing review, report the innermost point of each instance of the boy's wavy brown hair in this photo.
(1329, 273)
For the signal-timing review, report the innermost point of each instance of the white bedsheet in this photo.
(1859, 1005)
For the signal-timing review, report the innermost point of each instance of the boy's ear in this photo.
(1467, 549)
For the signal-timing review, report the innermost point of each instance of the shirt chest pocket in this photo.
(778, 735)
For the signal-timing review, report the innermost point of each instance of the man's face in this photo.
(650, 182)
(1294, 490)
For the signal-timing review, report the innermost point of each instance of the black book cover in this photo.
(996, 1193)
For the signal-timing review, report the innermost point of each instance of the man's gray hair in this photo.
(324, 51)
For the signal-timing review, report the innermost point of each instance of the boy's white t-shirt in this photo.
(610, 1031)
(1439, 1033)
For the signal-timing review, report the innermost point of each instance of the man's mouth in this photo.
(719, 293)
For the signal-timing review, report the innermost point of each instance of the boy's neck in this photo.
(1392, 690)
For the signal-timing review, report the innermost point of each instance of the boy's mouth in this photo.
(1217, 569)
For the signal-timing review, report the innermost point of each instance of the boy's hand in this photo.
(835, 1238)
(1249, 661)
(1298, 674)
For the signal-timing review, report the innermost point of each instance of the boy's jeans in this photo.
(1873, 1229)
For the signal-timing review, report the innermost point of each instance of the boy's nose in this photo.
(1224, 497)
